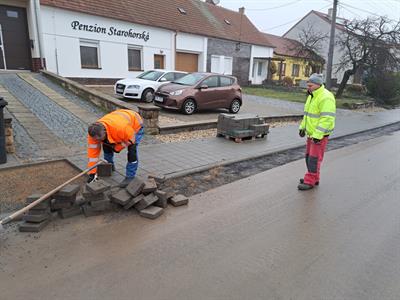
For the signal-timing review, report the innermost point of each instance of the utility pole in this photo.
(331, 46)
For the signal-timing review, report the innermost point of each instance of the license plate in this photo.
(159, 99)
(120, 90)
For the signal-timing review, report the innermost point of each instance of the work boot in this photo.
(124, 183)
(302, 181)
(304, 186)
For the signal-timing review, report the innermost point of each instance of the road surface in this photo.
(257, 238)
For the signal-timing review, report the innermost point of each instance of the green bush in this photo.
(385, 88)
(287, 81)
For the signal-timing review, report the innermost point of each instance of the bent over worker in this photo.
(318, 123)
(115, 131)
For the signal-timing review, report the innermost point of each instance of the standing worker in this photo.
(115, 131)
(318, 123)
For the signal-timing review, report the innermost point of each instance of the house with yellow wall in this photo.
(292, 60)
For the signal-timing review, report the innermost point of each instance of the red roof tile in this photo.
(201, 18)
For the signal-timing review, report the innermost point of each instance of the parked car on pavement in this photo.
(143, 86)
(198, 91)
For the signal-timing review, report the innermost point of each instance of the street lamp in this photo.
(3, 154)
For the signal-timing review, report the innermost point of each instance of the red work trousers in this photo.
(314, 156)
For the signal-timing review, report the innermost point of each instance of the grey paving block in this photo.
(151, 212)
(100, 205)
(159, 178)
(97, 187)
(56, 205)
(36, 218)
(104, 170)
(146, 202)
(162, 199)
(133, 201)
(68, 191)
(88, 211)
(42, 205)
(122, 197)
(150, 185)
(70, 198)
(80, 200)
(179, 200)
(135, 187)
(70, 212)
(33, 227)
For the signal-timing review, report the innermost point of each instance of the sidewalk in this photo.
(177, 159)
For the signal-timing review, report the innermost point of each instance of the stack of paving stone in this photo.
(145, 197)
(95, 200)
(64, 201)
(37, 217)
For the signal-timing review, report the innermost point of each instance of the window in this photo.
(168, 77)
(259, 69)
(228, 65)
(178, 75)
(295, 70)
(12, 14)
(225, 81)
(134, 59)
(89, 54)
(221, 64)
(211, 82)
(282, 68)
(307, 71)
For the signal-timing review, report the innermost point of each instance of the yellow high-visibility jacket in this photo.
(319, 114)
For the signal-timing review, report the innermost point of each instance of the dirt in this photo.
(19, 182)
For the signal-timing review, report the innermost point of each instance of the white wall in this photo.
(259, 52)
(63, 50)
(191, 43)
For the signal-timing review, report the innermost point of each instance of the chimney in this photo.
(330, 11)
(241, 10)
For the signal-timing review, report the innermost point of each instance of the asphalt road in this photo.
(257, 238)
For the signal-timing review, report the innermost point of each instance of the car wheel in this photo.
(148, 95)
(189, 107)
(234, 107)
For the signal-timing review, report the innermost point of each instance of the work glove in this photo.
(302, 133)
(316, 141)
(92, 178)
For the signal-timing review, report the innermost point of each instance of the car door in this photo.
(227, 91)
(208, 97)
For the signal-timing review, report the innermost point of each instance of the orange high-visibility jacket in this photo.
(121, 125)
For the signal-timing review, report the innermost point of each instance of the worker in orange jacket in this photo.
(115, 131)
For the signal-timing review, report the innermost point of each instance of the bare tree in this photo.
(369, 44)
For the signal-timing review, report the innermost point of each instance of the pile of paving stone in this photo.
(98, 197)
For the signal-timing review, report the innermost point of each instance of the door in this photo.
(211, 97)
(15, 39)
(187, 62)
(259, 71)
(158, 61)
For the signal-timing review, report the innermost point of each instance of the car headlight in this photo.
(134, 86)
(176, 93)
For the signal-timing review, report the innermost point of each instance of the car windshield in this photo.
(150, 75)
(190, 79)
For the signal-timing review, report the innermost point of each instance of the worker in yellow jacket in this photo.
(317, 124)
(113, 132)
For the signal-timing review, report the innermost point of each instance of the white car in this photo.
(144, 85)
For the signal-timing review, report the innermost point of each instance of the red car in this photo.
(198, 91)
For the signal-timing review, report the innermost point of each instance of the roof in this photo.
(327, 18)
(200, 18)
(288, 47)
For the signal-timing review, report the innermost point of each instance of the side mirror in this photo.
(203, 87)
(163, 79)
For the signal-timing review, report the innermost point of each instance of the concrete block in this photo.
(70, 198)
(36, 218)
(146, 202)
(68, 191)
(134, 201)
(135, 187)
(100, 205)
(97, 187)
(104, 170)
(70, 212)
(179, 200)
(151, 212)
(33, 227)
(150, 185)
(42, 205)
(88, 211)
(159, 178)
(162, 199)
(39, 211)
(56, 205)
(122, 197)
(80, 200)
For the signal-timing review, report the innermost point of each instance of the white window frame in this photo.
(220, 66)
(228, 71)
(93, 44)
(134, 47)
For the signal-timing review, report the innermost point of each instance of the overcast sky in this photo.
(276, 17)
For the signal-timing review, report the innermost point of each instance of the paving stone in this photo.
(97, 187)
(88, 211)
(146, 202)
(179, 200)
(42, 205)
(122, 197)
(33, 227)
(68, 191)
(150, 185)
(70, 212)
(36, 218)
(159, 178)
(104, 170)
(39, 211)
(100, 205)
(56, 205)
(80, 200)
(151, 212)
(70, 198)
(162, 199)
(133, 201)
(135, 187)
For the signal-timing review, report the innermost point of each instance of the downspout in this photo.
(39, 33)
(175, 36)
